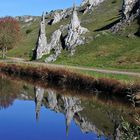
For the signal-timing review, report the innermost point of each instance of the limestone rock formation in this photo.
(55, 46)
(75, 32)
(42, 47)
(130, 11)
(58, 15)
(130, 8)
(90, 4)
(25, 19)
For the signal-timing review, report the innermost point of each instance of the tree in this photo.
(9, 34)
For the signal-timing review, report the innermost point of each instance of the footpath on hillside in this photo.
(22, 61)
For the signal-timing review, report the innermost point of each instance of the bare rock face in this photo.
(58, 15)
(25, 19)
(130, 11)
(130, 8)
(90, 4)
(75, 32)
(55, 46)
(42, 47)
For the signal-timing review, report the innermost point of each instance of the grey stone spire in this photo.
(75, 22)
(42, 47)
(75, 32)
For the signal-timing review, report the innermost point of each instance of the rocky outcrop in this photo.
(130, 11)
(73, 38)
(130, 8)
(90, 4)
(42, 47)
(25, 19)
(55, 46)
(75, 33)
(58, 15)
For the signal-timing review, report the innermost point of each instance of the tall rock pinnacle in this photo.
(75, 32)
(41, 47)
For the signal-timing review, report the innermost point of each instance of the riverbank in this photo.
(71, 80)
(121, 75)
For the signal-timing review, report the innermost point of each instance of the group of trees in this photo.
(9, 34)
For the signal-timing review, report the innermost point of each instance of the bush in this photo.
(29, 31)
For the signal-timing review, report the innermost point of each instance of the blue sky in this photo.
(32, 7)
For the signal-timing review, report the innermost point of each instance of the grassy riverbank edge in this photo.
(71, 80)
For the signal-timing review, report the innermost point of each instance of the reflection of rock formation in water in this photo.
(52, 100)
(85, 125)
(64, 104)
(39, 93)
(89, 115)
(72, 106)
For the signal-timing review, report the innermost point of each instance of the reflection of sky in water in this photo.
(18, 122)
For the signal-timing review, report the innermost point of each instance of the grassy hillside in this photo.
(106, 50)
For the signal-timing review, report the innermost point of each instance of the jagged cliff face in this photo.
(42, 47)
(90, 4)
(55, 45)
(130, 8)
(130, 11)
(58, 15)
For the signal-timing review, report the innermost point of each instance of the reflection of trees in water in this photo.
(11, 90)
(8, 93)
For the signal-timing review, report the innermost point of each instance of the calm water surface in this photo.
(29, 112)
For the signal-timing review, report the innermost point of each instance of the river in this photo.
(31, 112)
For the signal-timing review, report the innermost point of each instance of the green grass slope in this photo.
(106, 50)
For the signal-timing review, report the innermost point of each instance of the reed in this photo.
(67, 79)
